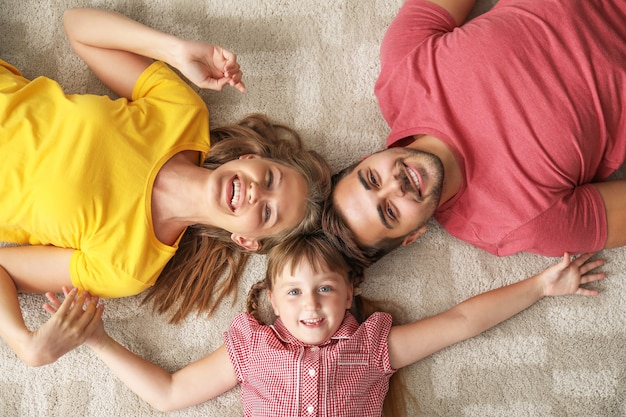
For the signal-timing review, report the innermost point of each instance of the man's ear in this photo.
(250, 244)
(412, 237)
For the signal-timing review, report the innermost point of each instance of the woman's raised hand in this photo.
(210, 66)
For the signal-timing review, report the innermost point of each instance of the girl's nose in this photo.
(311, 302)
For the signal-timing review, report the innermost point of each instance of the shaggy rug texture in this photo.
(312, 65)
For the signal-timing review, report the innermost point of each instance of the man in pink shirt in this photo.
(503, 128)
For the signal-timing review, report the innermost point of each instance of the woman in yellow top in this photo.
(109, 195)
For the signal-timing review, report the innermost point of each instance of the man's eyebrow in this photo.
(362, 180)
(383, 219)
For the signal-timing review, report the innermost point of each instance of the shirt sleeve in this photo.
(99, 277)
(416, 21)
(377, 327)
(238, 339)
(160, 82)
(576, 223)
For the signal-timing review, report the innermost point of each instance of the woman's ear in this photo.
(250, 244)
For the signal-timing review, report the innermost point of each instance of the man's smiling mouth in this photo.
(413, 179)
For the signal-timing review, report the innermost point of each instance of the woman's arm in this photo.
(34, 269)
(412, 342)
(198, 382)
(118, 49)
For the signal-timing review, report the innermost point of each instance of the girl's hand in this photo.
(76, 320)
(210, 66)
(567, 276)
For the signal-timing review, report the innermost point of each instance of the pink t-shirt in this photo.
(280, 376)
(530, 98)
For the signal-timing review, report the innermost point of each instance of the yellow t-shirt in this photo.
(77, 171)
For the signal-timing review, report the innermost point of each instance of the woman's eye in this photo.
(267, 213)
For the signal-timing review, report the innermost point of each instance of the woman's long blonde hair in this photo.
(317, 250)
(207, 264)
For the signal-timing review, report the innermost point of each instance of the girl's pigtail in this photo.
(252, 303)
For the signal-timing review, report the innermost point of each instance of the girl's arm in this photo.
(118, 49)
(412, 342)
(198, 382)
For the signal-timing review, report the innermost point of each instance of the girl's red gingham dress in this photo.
(282, 377)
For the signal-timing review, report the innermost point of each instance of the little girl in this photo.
(316, 359)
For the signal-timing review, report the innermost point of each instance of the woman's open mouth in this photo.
(236, 190)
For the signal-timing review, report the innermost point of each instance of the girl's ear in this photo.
(250, 244)
(249, 156)
(274, 307)
(350, 297)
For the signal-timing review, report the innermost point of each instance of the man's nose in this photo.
(394, 187)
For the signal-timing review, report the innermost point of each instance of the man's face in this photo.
(390, 194)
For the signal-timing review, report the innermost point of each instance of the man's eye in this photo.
(390, 212)
(373, 179)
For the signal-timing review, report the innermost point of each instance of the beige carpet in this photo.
(312, 64)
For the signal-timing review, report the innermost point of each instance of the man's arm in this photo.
(459, 9)
(614, 196)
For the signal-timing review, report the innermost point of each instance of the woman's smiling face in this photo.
(257, 197)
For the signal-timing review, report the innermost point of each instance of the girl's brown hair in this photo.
(207, 264)
(317, 250)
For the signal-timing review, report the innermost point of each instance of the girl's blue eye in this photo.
(293, 292)
(326, 288)
(270, 179)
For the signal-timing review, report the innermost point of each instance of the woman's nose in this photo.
(255, 193)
